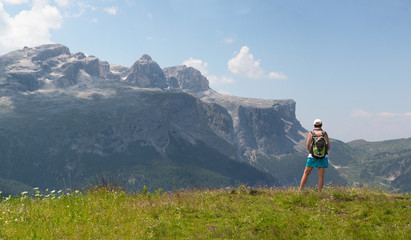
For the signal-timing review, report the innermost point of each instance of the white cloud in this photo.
(29, 27)
(62, 3)
(214, 80)
(229, 40)
(81, 8)
(197, 64)
(279, 76)
(111, 10)
(394, 115)
(149, 15)
(15, 1)
(244, 65)
(202, 66)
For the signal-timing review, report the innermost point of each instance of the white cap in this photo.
(318, 122)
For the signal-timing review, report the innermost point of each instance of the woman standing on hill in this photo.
(318, 146)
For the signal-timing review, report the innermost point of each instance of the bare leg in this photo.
(305, 177)
(320, 179)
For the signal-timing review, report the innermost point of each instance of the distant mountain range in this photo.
(68, 120)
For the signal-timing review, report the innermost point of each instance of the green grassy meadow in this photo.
(229, 213)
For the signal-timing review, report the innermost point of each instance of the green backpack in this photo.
(318, 148)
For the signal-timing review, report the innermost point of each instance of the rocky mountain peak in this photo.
(188, 78)
(45, 52)
(46, 67)
(23, 58)
(147, 73)
(145, 59)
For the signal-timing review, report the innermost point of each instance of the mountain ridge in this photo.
(140, 116)
(91, 113)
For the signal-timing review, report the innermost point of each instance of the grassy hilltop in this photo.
(232, 213)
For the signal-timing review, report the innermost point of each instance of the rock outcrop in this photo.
(46, 67)
(188, 79)
(146, 73)
(267, 127)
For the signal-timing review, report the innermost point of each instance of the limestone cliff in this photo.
(267, 127)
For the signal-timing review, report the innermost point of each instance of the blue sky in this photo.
(346, 62)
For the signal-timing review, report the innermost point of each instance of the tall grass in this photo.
(231, 213)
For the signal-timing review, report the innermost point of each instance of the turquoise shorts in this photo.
(314, 162)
